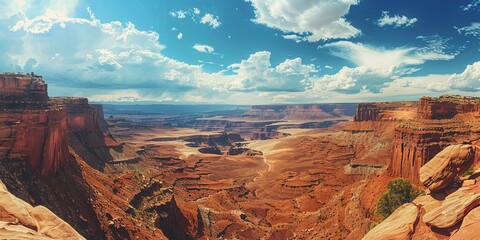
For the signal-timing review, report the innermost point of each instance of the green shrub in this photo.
(400, 191)
(467, 173)
(373, 224)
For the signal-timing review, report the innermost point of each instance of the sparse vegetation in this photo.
(467, 173)
(400, 191)
(373, 224)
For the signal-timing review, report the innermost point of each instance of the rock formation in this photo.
(418, 140)
(19, 220)
(446, 106)
(30, 129)
(440, 171)
(367, 112)
(400, 225)
(384, 111)
(453, 208)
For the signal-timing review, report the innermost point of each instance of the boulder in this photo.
(440, 171)
(453, 208)
(31, 222)
(400, 225)
(470, 226)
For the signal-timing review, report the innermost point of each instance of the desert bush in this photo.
(400, 191)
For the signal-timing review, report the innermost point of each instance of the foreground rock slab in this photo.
(19, 220)
(439, 172)
(399, 225)
(453, 208)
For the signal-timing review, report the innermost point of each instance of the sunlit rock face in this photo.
(445, 107)
(450, 162)
(35, 129)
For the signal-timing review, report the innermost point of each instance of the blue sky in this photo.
(245, 52)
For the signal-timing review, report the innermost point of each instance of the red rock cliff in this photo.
(445, 107)
(385, 111)
(416, 142)
(35, 129)
(367, 112)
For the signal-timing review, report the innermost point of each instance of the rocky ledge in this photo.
(449, 209)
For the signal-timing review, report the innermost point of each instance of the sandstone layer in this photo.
(19, 220)
(440, 171)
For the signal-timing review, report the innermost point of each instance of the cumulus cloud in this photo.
(204, 48)
(211, 20)
(179, 36)
(354, 80)
(114, 61)
(472, 30)
(257, 74)
(310, 20)
(375, 67)
(468, 80)
(395, 21)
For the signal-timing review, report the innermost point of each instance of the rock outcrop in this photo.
(22, 91)
(19, 220)
(453, 208)
(440, 171)
(31, 129)
(418, 140)
(384, 111)
(400, 225)
(446, 106)
(367, 112)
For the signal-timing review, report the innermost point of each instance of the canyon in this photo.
(299, 171)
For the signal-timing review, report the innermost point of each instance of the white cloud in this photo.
(196, 11)
(365, 55)
(472, 30)
(257, 74)
(354, 80)
(210, 20)
(310, 20)
(375, 67)
(180, 36)
(468, 80)
(396, 21)
(328, 67)
(179, 14)
(294, 37)
(204, 48)
(474, 4)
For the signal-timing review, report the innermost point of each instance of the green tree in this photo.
(400, 191)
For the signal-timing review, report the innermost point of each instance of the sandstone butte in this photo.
(61, 153)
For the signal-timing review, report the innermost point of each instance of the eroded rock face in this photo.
(22, 90)
(453, 208)
(38, 136)
(447, 106)
(400, 225)
(35, 129)
(367, 112)
(19, 220)
(470, 225)
(441, 170)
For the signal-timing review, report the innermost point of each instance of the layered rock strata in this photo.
(446, 106)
